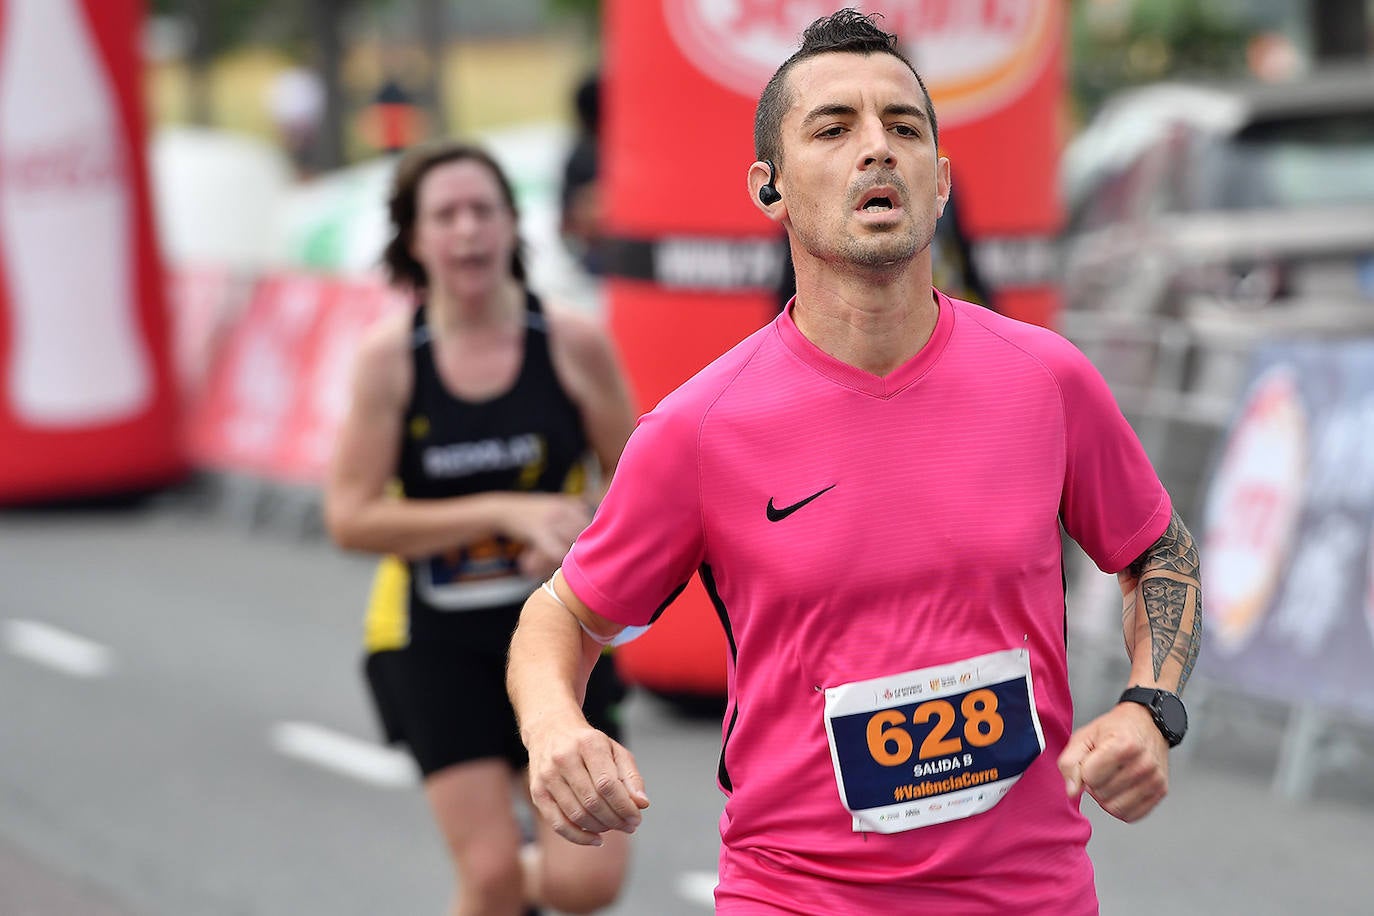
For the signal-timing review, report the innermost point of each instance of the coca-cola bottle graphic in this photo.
(77, 355)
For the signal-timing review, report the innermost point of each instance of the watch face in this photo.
(1172, 714)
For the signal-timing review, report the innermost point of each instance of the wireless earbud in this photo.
(768, 195)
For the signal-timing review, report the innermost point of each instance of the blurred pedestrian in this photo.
(580, 212)
(295, 103)
(871, 488)
(393, 122)
(464, 461)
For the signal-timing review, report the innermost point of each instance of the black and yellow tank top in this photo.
(529, 438)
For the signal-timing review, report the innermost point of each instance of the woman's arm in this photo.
(590, 371)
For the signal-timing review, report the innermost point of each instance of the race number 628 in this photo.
(891, 745)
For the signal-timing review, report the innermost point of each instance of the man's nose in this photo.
(875, 149)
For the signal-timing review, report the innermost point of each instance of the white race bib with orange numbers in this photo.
(933, 745)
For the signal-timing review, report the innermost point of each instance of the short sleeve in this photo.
(646, 539)
(1113, 503)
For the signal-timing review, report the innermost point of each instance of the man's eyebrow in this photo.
(839, 109)
(910, 111)
(831, 110)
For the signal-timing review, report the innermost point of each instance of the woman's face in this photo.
(465, 234)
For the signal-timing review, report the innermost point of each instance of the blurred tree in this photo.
(314, 26)
(431, 24)
(326, 27)
(1119, 43)
(589, 9)
(219, 24)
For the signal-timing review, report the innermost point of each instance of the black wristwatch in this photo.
(1165, 708)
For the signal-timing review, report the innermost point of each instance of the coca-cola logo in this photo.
(974, 55)
(67, 164)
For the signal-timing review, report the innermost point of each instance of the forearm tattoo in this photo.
(1168, 582)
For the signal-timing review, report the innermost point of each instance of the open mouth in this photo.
(472, 261)
(878, 200)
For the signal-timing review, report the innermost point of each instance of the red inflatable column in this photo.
(694, 266)
(995, 70)
(87, 394)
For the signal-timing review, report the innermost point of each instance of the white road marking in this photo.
(344, 754)
(698, 887)
(57, 649)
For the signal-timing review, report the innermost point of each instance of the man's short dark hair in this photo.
(403, 205)
(847, 31)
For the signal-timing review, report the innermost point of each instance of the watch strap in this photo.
(1152, 698)
(1145, 696)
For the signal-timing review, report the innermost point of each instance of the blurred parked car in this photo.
(1251, 195)
(1203, 219)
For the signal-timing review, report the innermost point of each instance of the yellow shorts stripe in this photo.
(387, 624)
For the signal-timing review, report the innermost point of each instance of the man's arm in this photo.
(582, 782)
(1121, 758)
(1162, 610)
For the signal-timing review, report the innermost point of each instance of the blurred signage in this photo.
(1287, 552)
(242, 419)
(282, 379)
(972, 55)
(324, 389)
(87, 394)
(203, 302)
(994, 71)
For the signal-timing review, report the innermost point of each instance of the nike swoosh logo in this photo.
(776, 515)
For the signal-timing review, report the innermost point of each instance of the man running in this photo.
(871, 488)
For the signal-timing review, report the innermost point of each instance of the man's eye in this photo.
(906, 130)
(834, 131)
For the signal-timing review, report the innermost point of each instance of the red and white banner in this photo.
(325, 384)
(241, 419)
(88, 398)
(278, 389)
(203, 304)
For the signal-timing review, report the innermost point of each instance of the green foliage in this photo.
(1129, 42)
(230, 23)
(588, 9)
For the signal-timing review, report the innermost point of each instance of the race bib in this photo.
(475, 577)
(933, 745)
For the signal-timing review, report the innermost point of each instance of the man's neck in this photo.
(873, 320)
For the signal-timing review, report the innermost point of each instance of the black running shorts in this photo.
(449, 706)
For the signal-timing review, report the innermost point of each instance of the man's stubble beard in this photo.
(893, 249)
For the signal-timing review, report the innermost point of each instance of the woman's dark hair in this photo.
(847, 31)
(403, 206)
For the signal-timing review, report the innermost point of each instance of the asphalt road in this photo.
(183, 731)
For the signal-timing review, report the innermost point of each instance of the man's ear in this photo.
(762, 173)
(943, 185)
